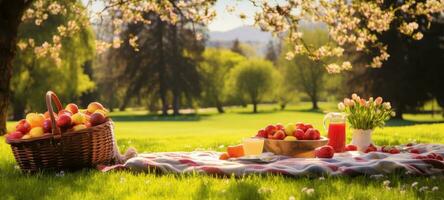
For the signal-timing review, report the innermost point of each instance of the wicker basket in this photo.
(65, 151)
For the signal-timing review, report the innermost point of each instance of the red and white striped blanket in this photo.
(348, 163)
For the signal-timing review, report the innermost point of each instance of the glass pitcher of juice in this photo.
(336, 130)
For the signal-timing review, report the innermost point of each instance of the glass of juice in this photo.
(336, 130)
(253, 146)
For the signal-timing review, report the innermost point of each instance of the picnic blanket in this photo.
(427, 162)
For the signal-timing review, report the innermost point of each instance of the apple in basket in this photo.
(92, 107)
(73, 108)
(97, 118)
(35, 119)
(23, 126)
(64, 121)
(16, 135)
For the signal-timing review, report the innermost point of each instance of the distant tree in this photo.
(237, 47)
(214, 71)
(165, 62)
(271, 53)
(305, 74)
(252, 80)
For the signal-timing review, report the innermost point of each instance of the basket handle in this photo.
(52, 97)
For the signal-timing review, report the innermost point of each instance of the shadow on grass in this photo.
(404, 122)
(160, 118)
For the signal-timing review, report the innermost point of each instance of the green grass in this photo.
(210, 131)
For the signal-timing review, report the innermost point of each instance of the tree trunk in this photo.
(254, 107)
(176, 104)
(283, 105)
(18, 110)
(10, 17)
(220, 108)
(314, 103)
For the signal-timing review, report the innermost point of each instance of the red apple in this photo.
(270, 129)
(307, 126)
(351, 147)
(301, 126)
(312, 134)
(73, 108)
(47, 126)
(65, 112)
(97, 118)
(326, 151)
(280, 126)
(16, 135)
(88, 124)
(299, 134)
(262, 133)
(64, 121)
(23, 126)
(279, 135)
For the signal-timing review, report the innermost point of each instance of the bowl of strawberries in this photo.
(297, 140)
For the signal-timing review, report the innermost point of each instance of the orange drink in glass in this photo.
(253, 146)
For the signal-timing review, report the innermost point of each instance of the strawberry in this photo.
(414, 151)
(394, 150)
(370, 148)
(301, 126)
(279, 135)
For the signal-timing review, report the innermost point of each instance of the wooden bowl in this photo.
(296, 149)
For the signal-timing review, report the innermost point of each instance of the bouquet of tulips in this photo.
(366, 114)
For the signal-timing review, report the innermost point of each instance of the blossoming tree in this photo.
(356, 24)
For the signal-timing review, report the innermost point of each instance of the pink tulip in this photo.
(378, 100)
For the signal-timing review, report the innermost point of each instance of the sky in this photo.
(224, 20)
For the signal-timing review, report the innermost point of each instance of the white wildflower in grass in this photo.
(435, 188)
(307, 191)
(377, 176)
(414, 184)
(386, 183)
(291, 198)
(60, 174)
(423, 188)
(263, 190)
(321, 178)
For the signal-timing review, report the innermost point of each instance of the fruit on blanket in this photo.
(224, 156)
(351, 147)
(289, 129)
(279, 135)
(35, 119)
(414, 151)
(79, 127)
(262, 133)
(64, 121)
(299, 134)
(78, 118)
(97, 118)
(312, 134)
(270, 129)
(394, 150)
(36, 132)
(325, 151)
(65, 112)
(370, 148)
(290, 138)
(73, 108)
(16, 135)
(23, 126)
(236, 151)
(94, 106)
(47, 126)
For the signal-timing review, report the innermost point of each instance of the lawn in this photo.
(211, 131)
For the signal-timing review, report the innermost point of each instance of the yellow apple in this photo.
(36, 132)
